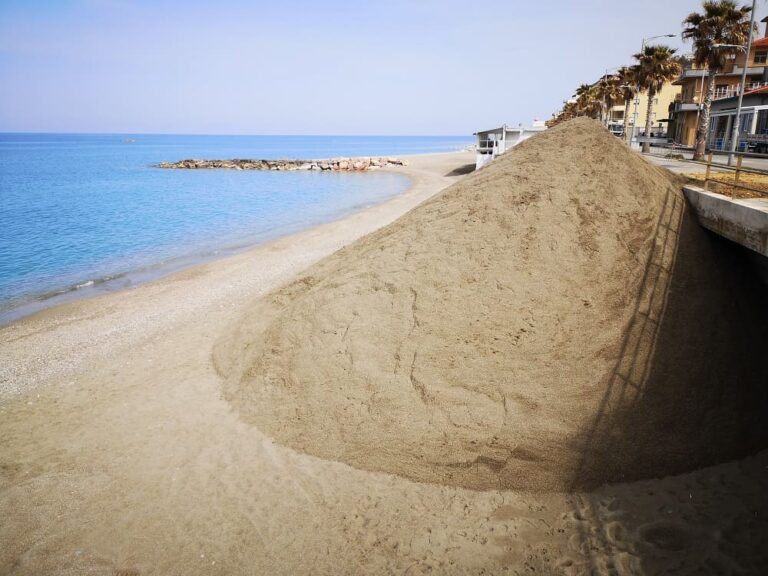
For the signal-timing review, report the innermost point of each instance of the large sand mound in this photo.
(555, 320)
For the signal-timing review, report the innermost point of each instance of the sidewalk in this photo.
(676, 166)
(748, 162)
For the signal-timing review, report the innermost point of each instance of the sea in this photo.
(87, 213)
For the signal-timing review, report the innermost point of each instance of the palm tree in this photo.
(588, 104)
(722, 22)
(656, 66)
(628, 81)
(566, 113)
(607, 92)
(587, 101)
(583, 96)
(582, 89)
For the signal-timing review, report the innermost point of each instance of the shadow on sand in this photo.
(462, 170)
(689, 389)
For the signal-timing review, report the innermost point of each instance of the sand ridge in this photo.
(491, 337)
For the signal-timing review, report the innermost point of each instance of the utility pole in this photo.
(737, 122)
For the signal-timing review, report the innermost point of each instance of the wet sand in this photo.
(120, 456)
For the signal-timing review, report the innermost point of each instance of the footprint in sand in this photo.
(665, 535)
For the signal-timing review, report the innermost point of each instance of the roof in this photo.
(752, 71)
(760, 43)
(499, 129)
(511, 129)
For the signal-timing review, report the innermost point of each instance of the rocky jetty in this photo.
(334, 164)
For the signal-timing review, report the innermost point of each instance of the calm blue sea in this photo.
(86, 212)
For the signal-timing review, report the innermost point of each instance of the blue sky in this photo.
(310, 67)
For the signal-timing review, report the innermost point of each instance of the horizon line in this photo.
(42, 132)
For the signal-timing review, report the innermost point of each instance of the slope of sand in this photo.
(493, 336)
(119, 455)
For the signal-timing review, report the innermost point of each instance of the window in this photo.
(746, 122)
(761, 57)
(762, 122)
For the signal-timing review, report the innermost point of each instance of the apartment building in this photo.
(660, 114)
(686, 109)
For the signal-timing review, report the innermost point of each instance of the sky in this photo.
(442, 67)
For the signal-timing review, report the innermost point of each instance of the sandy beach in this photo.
(126, 448)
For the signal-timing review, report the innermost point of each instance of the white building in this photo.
(491, 143)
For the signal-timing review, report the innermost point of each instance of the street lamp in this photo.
(637, 86)
(737, 122)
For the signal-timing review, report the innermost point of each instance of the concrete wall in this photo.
(482, 159)
(742, 221)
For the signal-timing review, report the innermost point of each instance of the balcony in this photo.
(750, 71)
(734, 90)
(721, 93)
(686, 107)
(487, 146)
(694, 73)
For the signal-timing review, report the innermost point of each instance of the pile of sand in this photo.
(555, 320)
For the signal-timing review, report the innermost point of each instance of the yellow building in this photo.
(687, 107)
(668, 94)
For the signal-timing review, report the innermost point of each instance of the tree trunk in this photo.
(703, 128)
(627, 102)
(649, 120)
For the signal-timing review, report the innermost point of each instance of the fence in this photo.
(738, 171)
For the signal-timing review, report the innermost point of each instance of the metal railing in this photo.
(729, 92)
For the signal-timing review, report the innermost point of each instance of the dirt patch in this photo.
(748, 186)
(555, 320)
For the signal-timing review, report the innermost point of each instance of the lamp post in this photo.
(737, 120)
(637, 87)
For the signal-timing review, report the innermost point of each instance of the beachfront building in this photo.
(686, 109)
(753, 125)
(659, 116)
(491, 143)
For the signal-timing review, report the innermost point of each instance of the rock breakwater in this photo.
(334, 164)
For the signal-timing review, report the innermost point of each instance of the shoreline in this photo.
(87, 288)
(121, 455)
(73, 324)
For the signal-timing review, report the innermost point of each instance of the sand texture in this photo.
(504, 334)
(123, 452)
